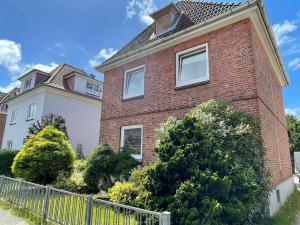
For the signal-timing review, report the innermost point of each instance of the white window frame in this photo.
(31, 117)
(26, 87)
(187, 52)
(128, 72)
(10, 144)
(123, 128)
(14, 115)
(94, 90)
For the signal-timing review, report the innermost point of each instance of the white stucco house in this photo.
(65, 91)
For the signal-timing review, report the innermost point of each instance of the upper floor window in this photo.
(93, 89)
(192, 66)
(134, 82)
(9, 144)
(132, 136)
(31, 111)
(13, 119)
(27, 84)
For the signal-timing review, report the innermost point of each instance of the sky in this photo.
(42, 34)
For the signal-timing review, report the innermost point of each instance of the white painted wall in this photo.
(18, 131)
(82, 116)
(285, 189)
(297, 162)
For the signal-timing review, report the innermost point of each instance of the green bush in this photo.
(73, 182)
(104, 167)
(131, 192)
(211, 169)
(6, 160)
(44, 156)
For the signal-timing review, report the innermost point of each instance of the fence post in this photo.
(89, 211)
(46, 203)
(19, 192)
(166, 218)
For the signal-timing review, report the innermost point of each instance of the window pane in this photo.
(193, 67)
(133, 138)
(162, 23)
(135, 83)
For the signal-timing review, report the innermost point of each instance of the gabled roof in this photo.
(192, 13)
(56, 79)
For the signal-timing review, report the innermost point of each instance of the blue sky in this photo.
(42, 34)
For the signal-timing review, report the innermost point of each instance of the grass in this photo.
(287, 214)
(30, 218)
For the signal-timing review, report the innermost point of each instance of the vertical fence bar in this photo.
(89, 211)
(46, 203)
(19, 193)
(166, 218)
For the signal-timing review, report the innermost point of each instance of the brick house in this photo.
(194, 52)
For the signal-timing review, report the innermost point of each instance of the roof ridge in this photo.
(215, 2)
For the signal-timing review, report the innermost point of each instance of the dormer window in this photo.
(93, 89)
(165, 19)
(27, 84)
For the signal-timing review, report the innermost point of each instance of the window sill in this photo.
(132, 98)
(30, 119)
(179, 87)
(12, 123)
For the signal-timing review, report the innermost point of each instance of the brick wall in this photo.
(233, 67)
(2, 126)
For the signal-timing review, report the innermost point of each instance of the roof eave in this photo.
(33, 70)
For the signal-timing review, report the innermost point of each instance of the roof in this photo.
(2, 95)
(192, 13)
(56, 79)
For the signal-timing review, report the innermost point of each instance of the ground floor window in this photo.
(132, 136)
(9, 144)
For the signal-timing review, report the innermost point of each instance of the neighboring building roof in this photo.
(56, 80)
(2, 95)
(192, 12)
(6, 97)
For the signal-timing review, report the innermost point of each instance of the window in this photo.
(134, 82)
(93, 89)
(13, 119)
(9, 144)
(31, 111)
(162, 23)
(192, 66)
(133, 137)
(27, 84)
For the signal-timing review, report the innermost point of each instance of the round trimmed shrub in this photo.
(6, 160)
(44, 156)
(211, 169)
(104, 167)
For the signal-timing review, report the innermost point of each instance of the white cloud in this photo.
(103, 54)
(282, 31)
(10, 55)
(293, 111)
(295, 64)
(11, 59)
(142, 8)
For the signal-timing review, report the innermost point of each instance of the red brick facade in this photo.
(2, 126)
(239, 71)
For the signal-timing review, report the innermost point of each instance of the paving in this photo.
(7, 219)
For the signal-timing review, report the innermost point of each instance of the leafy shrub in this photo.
(44, 156)
(56, 121)
(131, 192)
(6, 160)
(211, 169)
(104, 167)
(73, 182)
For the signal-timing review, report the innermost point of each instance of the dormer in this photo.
(165, 19)
(84, 84)
(32, 78)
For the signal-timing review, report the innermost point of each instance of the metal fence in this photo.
(68, 208)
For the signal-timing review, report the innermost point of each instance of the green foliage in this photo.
(74, 182)
(56, 121)
(44, 156)
(211, 169)
(293, 124)
(132, 192)
(104, 167)
(6, 160)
